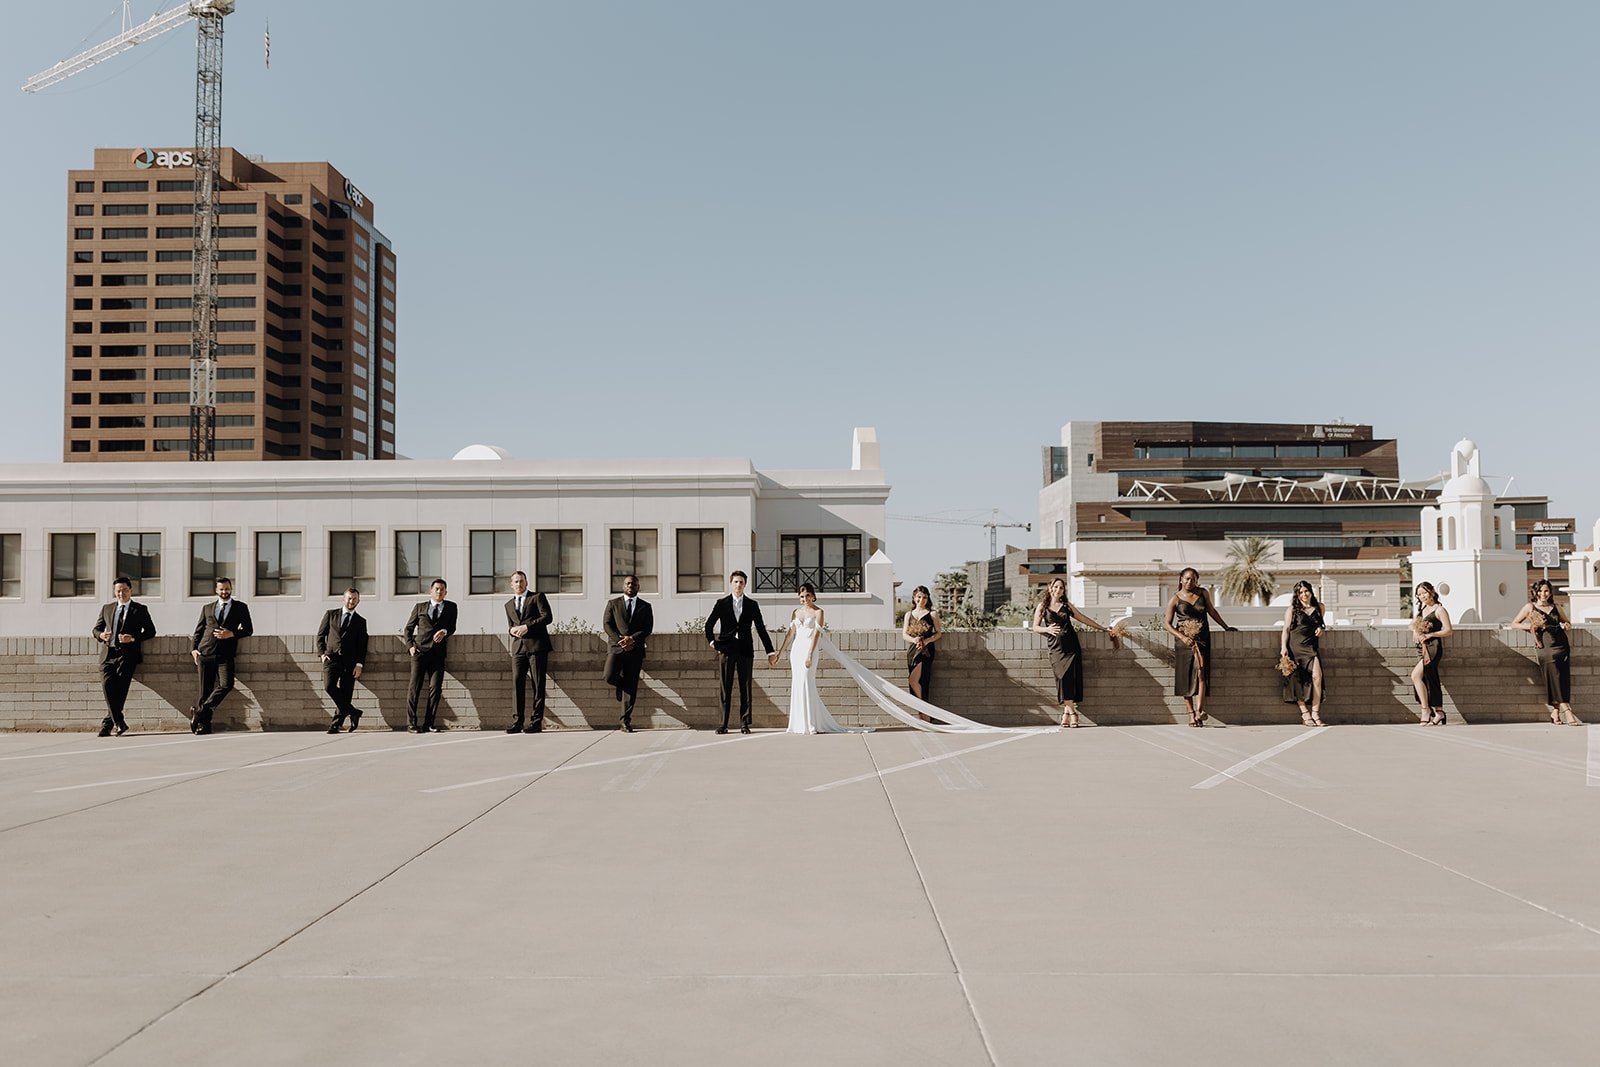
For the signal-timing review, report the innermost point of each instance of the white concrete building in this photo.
(1110, 579)
(1583, 581)
(1469, 549)
(292, 536)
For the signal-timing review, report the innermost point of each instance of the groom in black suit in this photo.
(123, 625)
(342, 647)
(223, 622)
(737, 615)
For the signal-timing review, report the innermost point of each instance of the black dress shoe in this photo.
(744, 729)
(122, 729)
(536, 728)
(411, 729)
(194, 726)
(355, 720)
(205, 729)
(514, 728)
(105, 731)
(626, 727)
(334, 728)
(722, 729)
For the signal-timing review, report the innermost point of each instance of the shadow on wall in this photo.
(1517, 689)
(1365, 686)
(1141, 671)
(296, 697)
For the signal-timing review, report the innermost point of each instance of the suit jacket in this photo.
(222, 649)
(348, 647)
(617, 625)
(536, 616)
(135, 623)
(735, 639)
(420, 629)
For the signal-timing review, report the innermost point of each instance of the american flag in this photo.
(268, 43)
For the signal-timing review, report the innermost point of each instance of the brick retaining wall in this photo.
(1004, 677)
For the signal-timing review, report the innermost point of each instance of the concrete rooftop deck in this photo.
(1374, 894)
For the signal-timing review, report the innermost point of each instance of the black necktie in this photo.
(433, 613)
(519, 603)
(222, 613)
(116, 626)
(344, 622)
(628, 607)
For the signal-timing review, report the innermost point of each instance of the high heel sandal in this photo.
(1305, 719)
(1555, 718)
(1316, 720)
(1571, 719)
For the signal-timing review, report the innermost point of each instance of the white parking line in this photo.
(955, 775)
(591, 763)
(1594, 753)
(1260, 757)
(917, 763)
(117, 746)
(277, 763)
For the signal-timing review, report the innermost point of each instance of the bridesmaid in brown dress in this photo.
(1542, 618)
(1053, 618)
(922, 631)
(1186, 620)
(1429, 627)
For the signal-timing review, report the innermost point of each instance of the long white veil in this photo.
(899, 704)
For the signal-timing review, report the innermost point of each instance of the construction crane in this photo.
(207, 16)
(992, 522)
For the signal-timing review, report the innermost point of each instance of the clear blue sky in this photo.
(741, 228)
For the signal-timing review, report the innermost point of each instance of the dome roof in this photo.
(482, 452)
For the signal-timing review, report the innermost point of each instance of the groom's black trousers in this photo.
(740, 666)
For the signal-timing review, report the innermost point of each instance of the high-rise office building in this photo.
(305, 317)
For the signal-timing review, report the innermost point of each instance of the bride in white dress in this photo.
(809, 715)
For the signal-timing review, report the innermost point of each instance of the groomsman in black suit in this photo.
(342, 644)
(123, 626)
(737, 615)
(628, 623)
(427, 631)
(223, 622)
(528, 618)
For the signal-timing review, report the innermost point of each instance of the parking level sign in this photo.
(1546, 551)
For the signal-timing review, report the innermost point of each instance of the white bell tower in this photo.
(1469, 547)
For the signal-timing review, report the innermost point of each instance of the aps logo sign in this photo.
(168, 158)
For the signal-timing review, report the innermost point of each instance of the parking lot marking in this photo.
(1260, 757)
(916, 763)
(591, 763)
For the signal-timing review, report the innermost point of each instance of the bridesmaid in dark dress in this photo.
(1186, 620)
(1430, 627)
(1301, 642)
(1053, 618)
(921, 631)
(1542, 618)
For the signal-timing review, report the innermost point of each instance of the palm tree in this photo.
(1245, 581)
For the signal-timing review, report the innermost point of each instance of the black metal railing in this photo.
(822, 579)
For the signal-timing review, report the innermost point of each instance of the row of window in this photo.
(418, 558)
(163, 255)
(1284, 451)
(186, 208)
(82, 281)
(184, 185)
(163, 233)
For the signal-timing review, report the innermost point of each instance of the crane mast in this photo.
(208, 16)
(207, 147)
